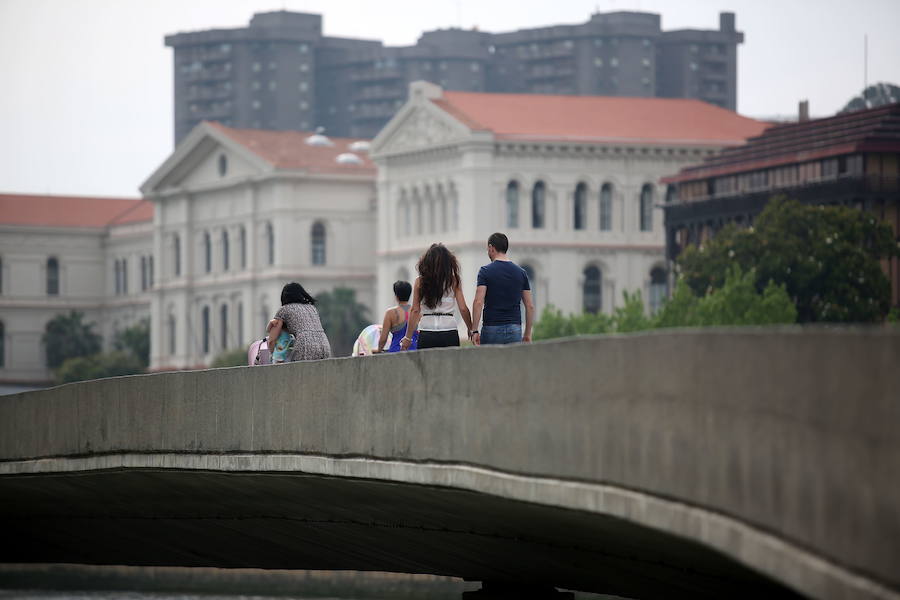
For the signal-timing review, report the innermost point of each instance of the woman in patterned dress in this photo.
(299, 317)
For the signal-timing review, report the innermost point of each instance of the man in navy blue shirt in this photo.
(502, 285)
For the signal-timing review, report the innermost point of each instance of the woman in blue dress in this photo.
(396, 319)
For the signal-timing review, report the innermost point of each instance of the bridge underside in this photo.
(295, 521)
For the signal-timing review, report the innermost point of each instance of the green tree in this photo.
(136, 340)
(826, 257)
(230, 358)
(737, 302)
(95, 366)
(342, 318)
(68, 336)
(631, 316)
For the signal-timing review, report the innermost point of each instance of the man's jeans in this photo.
(501, 334)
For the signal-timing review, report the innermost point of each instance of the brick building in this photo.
(851, 159)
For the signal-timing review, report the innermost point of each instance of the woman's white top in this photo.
(440, 318)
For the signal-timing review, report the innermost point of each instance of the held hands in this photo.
(405, 343)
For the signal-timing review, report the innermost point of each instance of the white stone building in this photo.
(232, 215)
(241, 212)
(59, 254)
(573, 181)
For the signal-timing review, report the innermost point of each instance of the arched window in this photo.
(150, 271)
(454, 195)
(606, 193)
(52, 276)
(2, 344)
(647, 207)
(671, 194)
(430, 212)
(204, 320)
(592, 290)
(207, 252)
(442, 202)
(318, 243)
(407, 219)
(242, 243)
(223, 325)
(240, 323)
(538, 205)
(224, 249)
(172, 333)
(117, 273)
(177, 254)
(223, 165)
(579, 213)
(124, 275)
(270, 244)
(512, 204)
(417, 209)
(659, 288)
(143, 273)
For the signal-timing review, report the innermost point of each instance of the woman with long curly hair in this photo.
(437, 299)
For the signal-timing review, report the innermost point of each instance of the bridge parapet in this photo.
(777, 448)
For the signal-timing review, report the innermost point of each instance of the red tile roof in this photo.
(72, 211)
(872, 130)
(288, 150)
(600, 118)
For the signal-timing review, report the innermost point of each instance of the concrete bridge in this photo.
(692, 464)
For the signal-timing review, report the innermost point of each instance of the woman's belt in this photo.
(438, 315)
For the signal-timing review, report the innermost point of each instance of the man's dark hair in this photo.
(499, 241)
(293, 293)
(402, 289)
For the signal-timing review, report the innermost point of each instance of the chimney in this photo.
(803, 111)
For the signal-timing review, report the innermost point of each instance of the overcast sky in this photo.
(86, 97)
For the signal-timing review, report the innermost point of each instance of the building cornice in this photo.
(532, 245)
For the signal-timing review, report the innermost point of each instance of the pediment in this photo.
(204, 158)
(422, 126)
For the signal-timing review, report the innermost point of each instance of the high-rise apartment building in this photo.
(282, 73)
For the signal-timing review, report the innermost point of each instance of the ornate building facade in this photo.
(573, 181)
(58, 254)
(239, 213)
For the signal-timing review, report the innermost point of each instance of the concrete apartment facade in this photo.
(281, 72)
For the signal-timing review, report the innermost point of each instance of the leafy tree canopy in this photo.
(136, 340)
(826, 257)
(68, 336)
(96, 366)
(342, 318)
(737, 302)
(230, 358)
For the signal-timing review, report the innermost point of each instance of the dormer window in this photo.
(223, 165)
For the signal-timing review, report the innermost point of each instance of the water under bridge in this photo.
(694, 464)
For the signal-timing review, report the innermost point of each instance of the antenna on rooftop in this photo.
(865, 68)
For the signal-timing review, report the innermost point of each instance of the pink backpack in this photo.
(258, 353)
